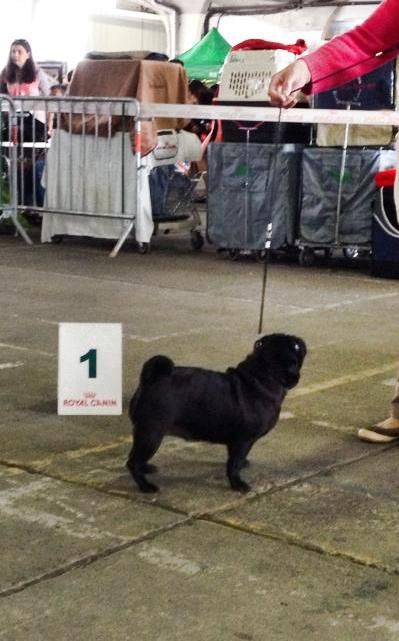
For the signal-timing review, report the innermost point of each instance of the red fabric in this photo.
(256, 43)
(385, 178)
(353, 54)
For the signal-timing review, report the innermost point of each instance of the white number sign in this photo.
(90, 368)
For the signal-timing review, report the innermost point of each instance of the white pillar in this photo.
(190, 30)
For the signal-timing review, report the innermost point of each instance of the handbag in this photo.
(167, 146)
(190, 146)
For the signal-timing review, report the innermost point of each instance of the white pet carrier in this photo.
(246, 74)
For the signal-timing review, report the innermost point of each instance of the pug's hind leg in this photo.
(145, 445)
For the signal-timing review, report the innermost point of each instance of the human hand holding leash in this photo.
(286, 84)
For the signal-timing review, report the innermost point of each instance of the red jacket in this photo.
(356, 52)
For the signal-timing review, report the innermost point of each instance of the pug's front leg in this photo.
(237, 453)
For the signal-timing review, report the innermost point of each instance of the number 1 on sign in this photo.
(91, 356)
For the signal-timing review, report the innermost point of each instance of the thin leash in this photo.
(269, 225)
(277, 144)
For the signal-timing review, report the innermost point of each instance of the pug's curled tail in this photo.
(155, 368)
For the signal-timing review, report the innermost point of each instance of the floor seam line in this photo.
(275, 535)
(89, 559)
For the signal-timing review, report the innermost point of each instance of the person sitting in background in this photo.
(177, 61)
(350, 55)
(155, 55)
(199, 94)
(22, 77)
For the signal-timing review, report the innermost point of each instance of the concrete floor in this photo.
(311, 554)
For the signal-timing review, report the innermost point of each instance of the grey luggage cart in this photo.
(173, 202)
(250, 185)
(338, 191)
(338, 182)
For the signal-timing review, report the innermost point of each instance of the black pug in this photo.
(234, 408)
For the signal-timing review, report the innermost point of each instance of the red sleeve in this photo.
(356, 51)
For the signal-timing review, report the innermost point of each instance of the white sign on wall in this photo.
(90, 368)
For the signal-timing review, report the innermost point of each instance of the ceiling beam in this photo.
(280, 7)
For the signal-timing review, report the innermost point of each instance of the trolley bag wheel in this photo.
(234, 254)
(356, 253)
(306, 257)
(261, 255)
(144, 248)
(197, 241)
(351, 252)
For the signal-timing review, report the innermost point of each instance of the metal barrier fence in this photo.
(8, 169)
(85, 179)
(73, 161)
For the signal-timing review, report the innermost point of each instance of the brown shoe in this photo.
(374, 437)
(389, 427)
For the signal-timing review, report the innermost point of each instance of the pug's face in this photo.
(283, 356)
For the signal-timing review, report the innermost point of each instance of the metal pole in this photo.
(13, 177)
(137, 151)
(341, 179)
